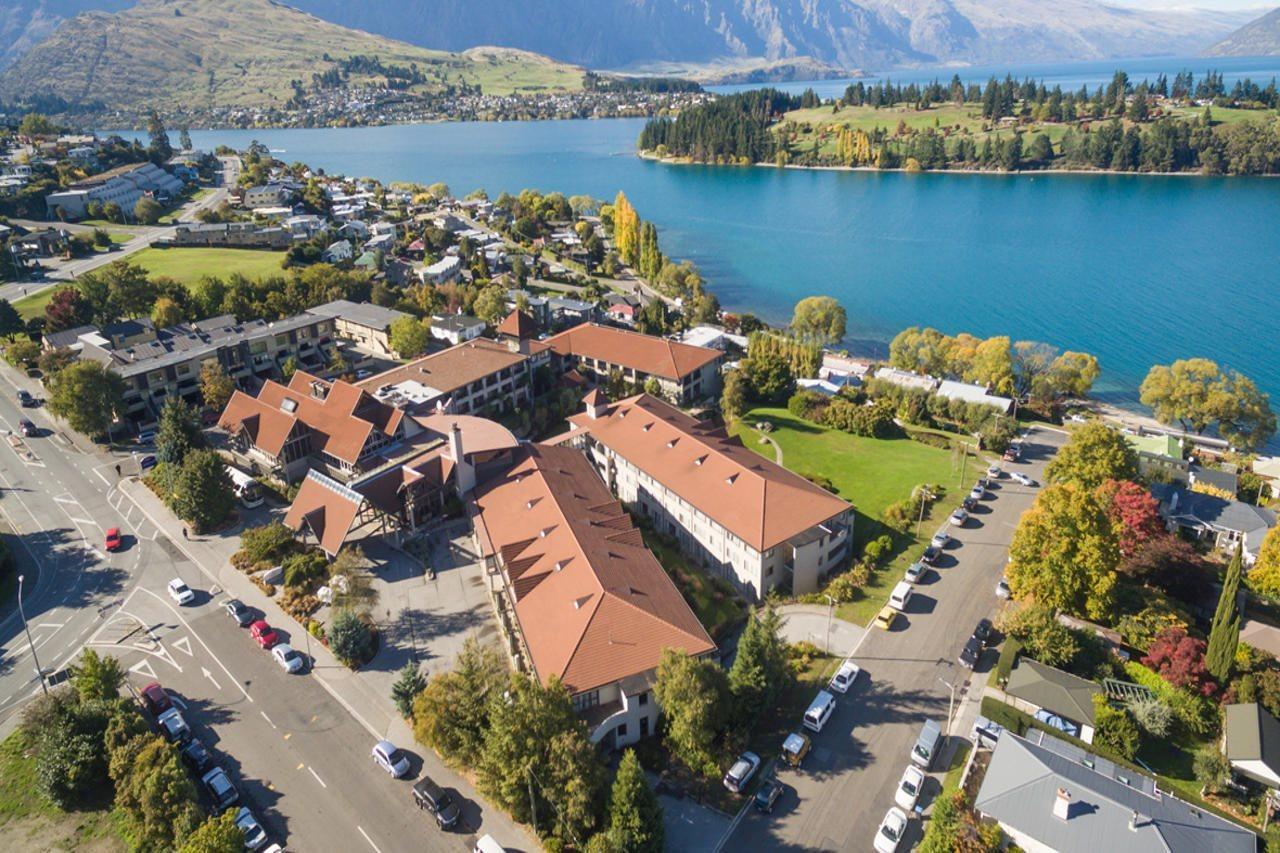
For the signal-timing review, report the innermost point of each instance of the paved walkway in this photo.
(812, 623)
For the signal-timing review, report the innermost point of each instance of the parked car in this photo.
(886, 617)
(930, 555)
(180, 592)
(155, 699)
(1002, 589)
(1022, 478)
(254, 835)
(891, 830)
(982, 631)
(430, 796)
(741, 772)
(795, 747)
(196, 756)
(390, 758)
(940, 540)
(288, 658)
(220, 789)
(767, 796)
(909, 787)
(959, 516)
(28, 427)
(487, 844)
(915, 571)
(978, 492)
(114, 540)
(263, 634)
(25, 400)
(173, 727)
(971, 652)
(238, 611)
(845, 676)
(969, 503)
(994, 472)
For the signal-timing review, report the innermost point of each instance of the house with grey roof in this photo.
(1252, 742)
(366, 325)
(979, 394)
(1053, 697)
(456, 328)
(1050, 795)
(1224, 522)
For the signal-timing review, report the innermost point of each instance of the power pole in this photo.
(34, 659)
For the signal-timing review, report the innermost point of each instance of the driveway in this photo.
(812, 623)
(847, 784)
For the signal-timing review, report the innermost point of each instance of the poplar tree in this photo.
(1224, 635)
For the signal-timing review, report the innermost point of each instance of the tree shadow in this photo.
(411, 634)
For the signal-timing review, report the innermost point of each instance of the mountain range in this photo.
(614, 34)
(1256, 38)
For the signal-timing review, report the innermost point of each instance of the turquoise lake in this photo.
(1137, 270)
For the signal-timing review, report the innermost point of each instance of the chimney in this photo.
(1062, 805)
(596, 403)
(463, 472)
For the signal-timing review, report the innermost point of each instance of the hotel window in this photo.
(622, 730)
(585, 701)
(644, 698)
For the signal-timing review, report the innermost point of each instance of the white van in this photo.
(900, 596)
(819, 711)
(486, 844)
(247, 488)
(926, 748)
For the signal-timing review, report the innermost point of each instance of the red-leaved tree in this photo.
(66, 310)
(1179, 660)
(1134, 511)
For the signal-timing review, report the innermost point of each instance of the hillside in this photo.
(1256, 38)
(202, 54)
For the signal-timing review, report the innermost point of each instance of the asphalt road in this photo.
(837, 801)
(299, 757)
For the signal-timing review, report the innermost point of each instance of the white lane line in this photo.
(323, 785)
(367, 838)
(268, 719)
(67, 500)
(50, 624)
(187, 624)
(83, 521)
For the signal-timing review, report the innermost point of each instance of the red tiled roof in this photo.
(449, 369)
(327, 508)
(757, 500)
(593, 603)
(644, 353)
(518, 325)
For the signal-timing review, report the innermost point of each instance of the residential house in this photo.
(267, 195)
(1054, 697)
(842, 370)
(538, 307)
(581, 598)
(244, 235)
(737, 514)
(442, 271)
(1225, 480)
(123, 185)
(337, 252)
(1224, 522)
(1160, 457)
(570, 312)
(456, 328)
(1251, 741)
(366, 325)
(1050, 795)
(685, 374)
(713, 337)
(907, 379)
(470, 378)
(974, 394)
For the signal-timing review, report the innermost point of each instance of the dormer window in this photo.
(730, 479)
(672, 442)
(699, 460)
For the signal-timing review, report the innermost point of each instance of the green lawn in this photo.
(870, 473)
(33, 305)
(29, 822)
(951, 782)
(190, 265)
(716, 604)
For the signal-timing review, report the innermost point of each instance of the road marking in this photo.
(187, 624)
(50, 624)
(288, 735)
(144, 668)
(367, 838)
(301, 765)
(209, 675)
(67, 500)
(268, 719)
(184, 643)
(83, 521)
(323, 785)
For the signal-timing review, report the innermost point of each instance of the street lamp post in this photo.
(34, 659)
(831, 603)
(951, 702)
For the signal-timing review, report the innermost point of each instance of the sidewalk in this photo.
(359, 693)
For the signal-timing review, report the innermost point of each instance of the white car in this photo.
(941, 539)
(741, 772)
(1002, 589)
(915, 572)
(959, 516)
(287, 657)
(845, 676)
(387, 756)
(891, 830)
(994, 472)
(180, 592)
(254, 835)
(978, 492)
(1022, 478)
(909, 788)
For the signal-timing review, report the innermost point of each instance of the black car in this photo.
(430, 796)
(238, 611)
(767, 796)
(982, 632)
(971, 652)
(930, 555)
(970, 504)
(195, 756)
(26, 400)
(28, 428)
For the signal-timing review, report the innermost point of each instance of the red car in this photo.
(155, 699)
(114, 539)
(264, 634)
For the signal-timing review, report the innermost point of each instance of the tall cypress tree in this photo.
(1224, 636)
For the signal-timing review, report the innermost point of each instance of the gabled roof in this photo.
(450, 369)
(1052, 689)
(518, 325)
(644, 353)
(1200, 509)
(326, 508)
(757, 500)
(1022, 784)
(1253, 735)
(593, 604)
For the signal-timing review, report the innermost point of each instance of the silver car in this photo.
(287, 657)
(389, 757)
(941, 539)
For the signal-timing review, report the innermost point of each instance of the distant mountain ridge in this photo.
(1260, 37)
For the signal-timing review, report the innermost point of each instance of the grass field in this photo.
(33, 305)
(190, 265)
(28, 822)
(870, 473)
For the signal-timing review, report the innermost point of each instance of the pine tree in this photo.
(635, 816)
(759, 669)
(1224, 635)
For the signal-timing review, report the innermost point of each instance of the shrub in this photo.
(1179, 659)
(1210, 767)
(269, 542)
(878, 548)
(351, 639)
(807, 405)
(301, 570)
(298, 603)
(1195, 715)
(899, 516)
(1114, 729)
(1152, 716)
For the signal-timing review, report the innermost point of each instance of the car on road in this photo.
(148, 461)
(915, 572)
(25, 400)
(1002, 589)
(940, 540)
(180, 592)
(909, 788)
(28, 428)
(971, 652)
(982, 631)
(886, 617)
(114, 540)
(891, 830)
(795, 747)
(263, 634)
(220, 789)
(959, 516)
(767, 796)
(845, 676)
(254, 835)
(173, 727)
(196, 756)
(1022, 478)
(994, 472)
(288, 658)
(978, 492)
(430, 796)
(487, 844)
(155, 699)
(390, 758)
(238, 611)
(930, 555)
(741, 772)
